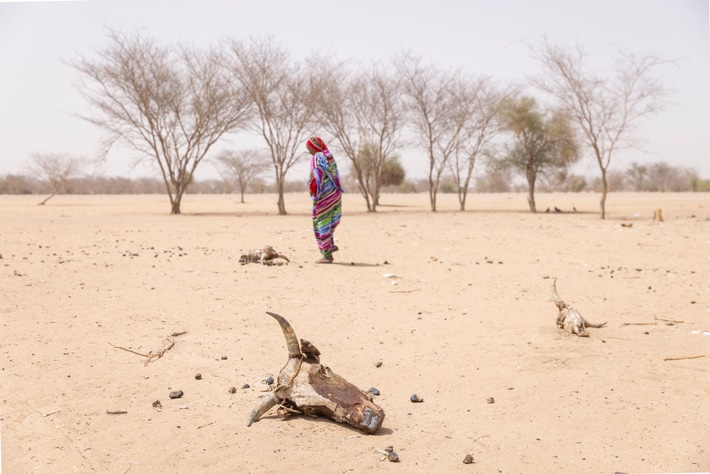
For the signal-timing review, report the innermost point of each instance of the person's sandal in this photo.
(325, 260)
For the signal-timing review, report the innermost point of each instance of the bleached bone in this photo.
(265, 256)
(305, 385)
(569, 318)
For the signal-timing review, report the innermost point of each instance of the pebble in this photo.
(415, 398)
(224, 357)
(157, 404)
(245, 386)
(176, 394)
(490, 400)
(374, 391)
(468, 459)
(233, 390)
(198, 376)
(269, 380)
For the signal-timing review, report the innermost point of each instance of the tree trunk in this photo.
(45, 201)
(175, 206)
(602, 203)
(281, 202)
(242, 196)
(177, 198)
(531, 192)
(432, 193)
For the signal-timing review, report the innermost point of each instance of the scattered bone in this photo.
(569, 318)
(307, 386)
(265, 256)
(388, 454)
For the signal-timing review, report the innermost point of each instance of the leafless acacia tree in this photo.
(242, 166)
(606, 108)
(436, 110)
(57, 169)
(365, 113)
(280, 90)
(481, 127)
(171, 104)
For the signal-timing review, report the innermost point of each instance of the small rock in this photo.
(415, 398)
(468, 459)
(176, 394)
(157, 404)
(224, 357)
(392, 457)
(374, 391)
(378, 364)
(268, 380)
(245, 386)
(198, 376)
(490, 400)
(233, 390)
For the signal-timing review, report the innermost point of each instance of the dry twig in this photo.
(684, 358)
(668, 320)
(639, 324)
(154, 355)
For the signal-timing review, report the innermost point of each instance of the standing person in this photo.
(324, 185)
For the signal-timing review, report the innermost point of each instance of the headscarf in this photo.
(316, 143)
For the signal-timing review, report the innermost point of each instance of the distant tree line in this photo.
(172, 103)
(654, 177)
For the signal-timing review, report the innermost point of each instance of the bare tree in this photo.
(606, 109)
(541, 142)
(437, 111)
(57, 169)
(365, 113)
(171, 104)
(481, 127)
(242, 167)
(281, 92)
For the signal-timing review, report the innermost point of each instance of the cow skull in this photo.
(307, 386)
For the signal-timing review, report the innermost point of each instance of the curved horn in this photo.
(294, 349)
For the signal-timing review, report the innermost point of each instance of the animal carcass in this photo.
(305, 385)
(569, 318)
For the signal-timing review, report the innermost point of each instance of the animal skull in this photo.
(305, 385)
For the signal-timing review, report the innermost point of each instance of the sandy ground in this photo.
(466, 318)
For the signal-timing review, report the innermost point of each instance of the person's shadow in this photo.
(359, 264)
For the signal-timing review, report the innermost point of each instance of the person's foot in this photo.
(325, 260)
(334, 248)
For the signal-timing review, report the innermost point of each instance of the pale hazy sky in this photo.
(37, 98)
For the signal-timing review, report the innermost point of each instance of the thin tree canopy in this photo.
(605, 107)
(169, 103)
